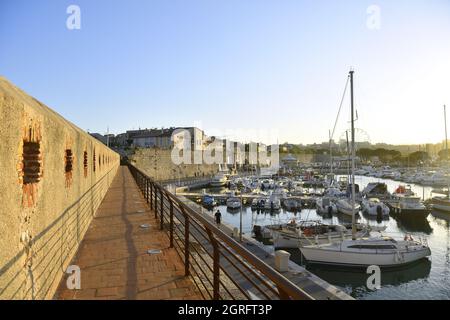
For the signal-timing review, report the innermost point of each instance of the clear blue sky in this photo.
(234, 64)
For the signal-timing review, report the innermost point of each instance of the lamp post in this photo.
(240, 215)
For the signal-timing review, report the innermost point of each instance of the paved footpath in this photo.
(113, 256)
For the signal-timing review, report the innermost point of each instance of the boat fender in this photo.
(379, 210)
(399, 257)
(316, 239)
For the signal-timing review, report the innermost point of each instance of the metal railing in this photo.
(220, 267)
(187, 181)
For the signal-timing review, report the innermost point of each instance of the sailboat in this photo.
(347, 206)
(443, 202)
(381, 251)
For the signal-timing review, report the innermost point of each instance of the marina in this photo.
(422, 280)
(225, 151)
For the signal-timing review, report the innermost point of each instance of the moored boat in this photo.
(219, 180)
(292, 205)
(298, 234)
(441, 203)
(208, 201)
(326, 205)
(374, 207)
(367, 251)
(233, 203)
(344, 206)
(405, 204)
(379, 251)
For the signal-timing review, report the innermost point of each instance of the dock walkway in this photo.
(311, 284)
(113, 256)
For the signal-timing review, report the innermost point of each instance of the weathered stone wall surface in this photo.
(53, 177)
(157, 163)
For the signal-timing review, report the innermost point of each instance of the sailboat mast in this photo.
(445, 123)
(353, 156)
(446, 148)
(348, 158)
(331, 155)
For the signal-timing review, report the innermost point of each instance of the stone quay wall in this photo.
(53, 178)
(157, 163)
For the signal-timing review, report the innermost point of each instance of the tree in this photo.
(443, 155)
(418, 156)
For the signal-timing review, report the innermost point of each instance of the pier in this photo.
(306, 200)
(114, 259)
(137, 248)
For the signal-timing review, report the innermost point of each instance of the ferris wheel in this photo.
(361, 138)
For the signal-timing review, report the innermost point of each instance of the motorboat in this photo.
(297, 234)
(409, 205)
(255, 204)
(326, 205)
(437, 179)
(403, 190)
(267, 184)
(441, 203)
(272, 204)
(361, 172)
(219, 180)
(344, 206)
(292, 205)
(208, 201)
(374, 207)
(377, 190)
(234, 203)
(381, 251)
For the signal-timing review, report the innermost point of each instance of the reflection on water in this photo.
(413, 224)
(355, 280)
(427, 279)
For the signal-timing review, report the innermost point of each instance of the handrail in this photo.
(286, 289)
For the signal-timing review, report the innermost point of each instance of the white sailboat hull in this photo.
(345, 208)
(364, 257)
(361, 259)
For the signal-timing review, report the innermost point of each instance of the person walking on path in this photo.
(218, 216)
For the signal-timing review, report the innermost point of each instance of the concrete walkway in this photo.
(113, 256)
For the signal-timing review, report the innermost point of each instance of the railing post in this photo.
(156, 203)
(186, 243)
(282, 294)
(161, 224)
(171, 223)
(151, 195)
(146, 190)
(216, 265)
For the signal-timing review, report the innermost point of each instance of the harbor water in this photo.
(426, 279)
